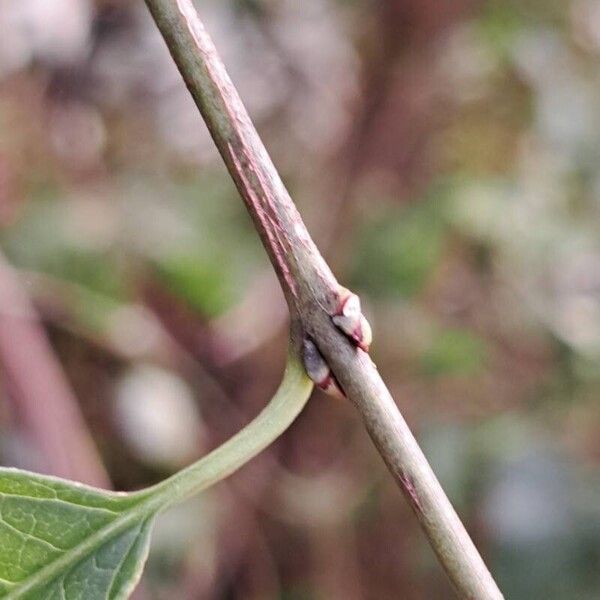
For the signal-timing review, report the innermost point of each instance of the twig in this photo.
(312, 292)
(45, 401)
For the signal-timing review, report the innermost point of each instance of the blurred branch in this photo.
(45, 402)
(312, 292)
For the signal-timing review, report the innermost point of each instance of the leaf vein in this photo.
(29, 536)
(61, 501)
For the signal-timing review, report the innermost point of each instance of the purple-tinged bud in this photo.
(314, 363)
(365, 334)
(318, 370)
(351, 321)
(332, 388)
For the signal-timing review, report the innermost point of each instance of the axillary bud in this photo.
(318, 370)
(351, 321)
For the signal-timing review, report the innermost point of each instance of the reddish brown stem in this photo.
(313, 294)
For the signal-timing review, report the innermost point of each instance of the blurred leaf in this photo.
(399, 249)
(205, 286)
(44, 240)
(454, 352)
(95, 271)
(499, 23)
(210, 203)
(201, 242)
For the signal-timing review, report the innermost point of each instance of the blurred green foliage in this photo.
(198, 281)
(43, 241)
(398, 249)
(454, 352)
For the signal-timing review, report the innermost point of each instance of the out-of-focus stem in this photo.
(313, 293)
(44, 400)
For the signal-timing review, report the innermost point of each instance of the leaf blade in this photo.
(61, 540)
(52, 532)
(111, 573)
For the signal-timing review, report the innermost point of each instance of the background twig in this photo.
(45, 404)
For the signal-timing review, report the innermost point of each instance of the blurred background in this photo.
(445, 155)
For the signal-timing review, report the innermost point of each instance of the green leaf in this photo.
(454, 352)
(64, 540)
(61, 540)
